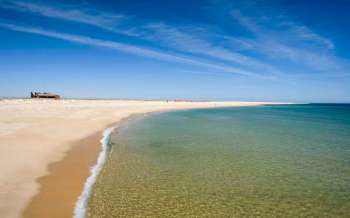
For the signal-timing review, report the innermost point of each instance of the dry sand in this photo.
(36, 134)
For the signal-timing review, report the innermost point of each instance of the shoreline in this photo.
(80, 179)
(39, 134)
(97, 146)
(81, 203)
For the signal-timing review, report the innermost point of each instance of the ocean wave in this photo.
(80, 206)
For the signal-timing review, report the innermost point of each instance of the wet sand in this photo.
(61, 187)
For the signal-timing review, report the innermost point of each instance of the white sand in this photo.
(35, 133)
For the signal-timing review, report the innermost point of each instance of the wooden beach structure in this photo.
(44, 95)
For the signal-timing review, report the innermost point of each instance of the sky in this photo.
(273, 50)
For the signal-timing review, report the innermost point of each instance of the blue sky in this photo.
(276, 50)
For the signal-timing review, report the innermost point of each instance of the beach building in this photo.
(44, 95)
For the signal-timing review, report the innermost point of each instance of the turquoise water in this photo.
(267, 161)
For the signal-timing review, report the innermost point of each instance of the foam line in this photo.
(81, 204)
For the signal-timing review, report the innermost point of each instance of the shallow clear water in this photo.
(268, 161)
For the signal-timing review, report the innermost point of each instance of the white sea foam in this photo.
(80, 206)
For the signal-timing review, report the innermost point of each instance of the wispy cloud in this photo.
(183, 40)
(273, 26)
(187, 40)
(289, 41)
(145, 52)
(101, 19)
(302, 32)
(274, 40)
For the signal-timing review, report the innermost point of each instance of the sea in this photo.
(262, 161)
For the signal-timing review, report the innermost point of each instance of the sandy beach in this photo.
(48, 146)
